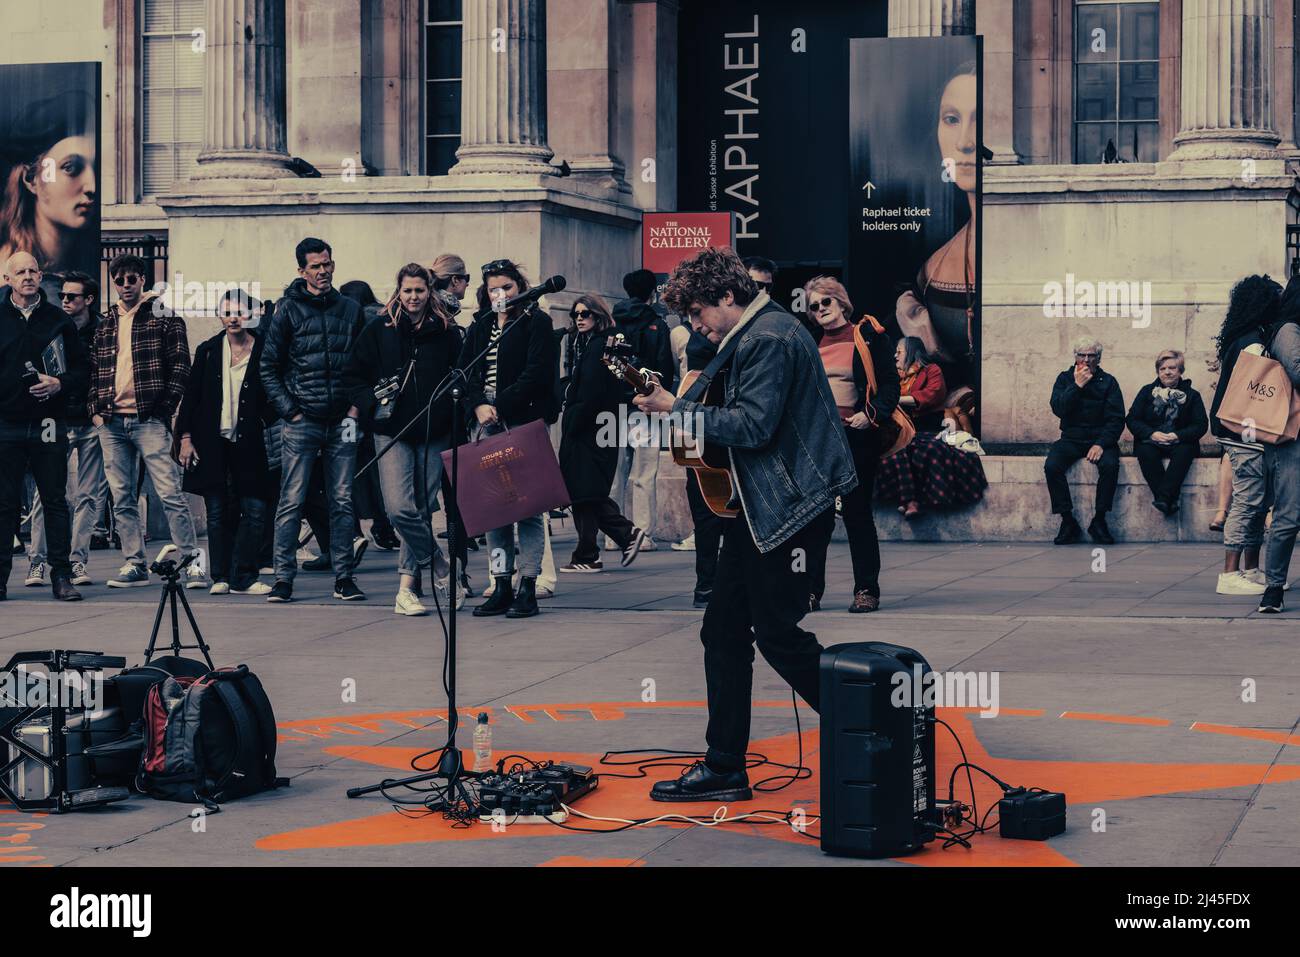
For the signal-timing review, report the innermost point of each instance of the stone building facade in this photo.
(1203, 123)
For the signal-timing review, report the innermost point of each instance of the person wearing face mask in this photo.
(511, 367)
(140, 367)
(587, 464)
(221, 424)
(1167, 420)
(413, 346)
(860, 414)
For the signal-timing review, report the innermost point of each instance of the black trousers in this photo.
(592, 517)
(23, 447)
(1165, 481)
(236, 530)
(708, 533)
(859, 522)
(1063, 454)
(368, 498)
(757, 599)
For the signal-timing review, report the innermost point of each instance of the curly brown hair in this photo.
(706, 278)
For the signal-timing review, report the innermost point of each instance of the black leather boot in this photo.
(699, 783)
(500, 601)
(1070, 531)
(62, 588)
(525, 604)
(1098, 531)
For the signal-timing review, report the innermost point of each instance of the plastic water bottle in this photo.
(482, 743)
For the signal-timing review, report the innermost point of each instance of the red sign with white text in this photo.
(667, 239)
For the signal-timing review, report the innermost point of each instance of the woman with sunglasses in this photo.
(593, 394)
(511, 368)
(412, 348)
(829, 307)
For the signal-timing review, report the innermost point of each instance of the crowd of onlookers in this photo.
(329, 407)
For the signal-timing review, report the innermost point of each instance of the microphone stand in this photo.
(451, 766)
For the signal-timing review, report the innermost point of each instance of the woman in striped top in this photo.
(513, 384)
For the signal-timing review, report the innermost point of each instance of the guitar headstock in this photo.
(620, 360)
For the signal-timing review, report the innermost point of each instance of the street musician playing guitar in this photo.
(778, 422)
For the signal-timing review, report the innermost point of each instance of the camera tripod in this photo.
(170, 572)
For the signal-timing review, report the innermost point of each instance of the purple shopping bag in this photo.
(506, 477)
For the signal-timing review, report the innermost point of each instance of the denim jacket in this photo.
(789, 457)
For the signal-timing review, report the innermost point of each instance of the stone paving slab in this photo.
(1124, 686)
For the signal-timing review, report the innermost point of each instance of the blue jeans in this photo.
(124, 440)
(301, 443)
(501, 541)
(1282, 467)
(410, 474)
(87, 495)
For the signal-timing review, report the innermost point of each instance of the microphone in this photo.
(554, 284)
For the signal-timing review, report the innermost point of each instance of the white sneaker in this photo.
(35, 575)
(648, 545)
(257, 588)
(219, 588)
(687, 544)
(1254, 574)
(543, 591)
(1236, 583)
(79, 576)
(196, 577)
(408, 603)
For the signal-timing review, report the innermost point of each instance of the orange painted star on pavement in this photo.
(1083, 782)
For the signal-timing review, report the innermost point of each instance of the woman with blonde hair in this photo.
(1167, 420)
(862, 411)
(397, 365)
(450, 281)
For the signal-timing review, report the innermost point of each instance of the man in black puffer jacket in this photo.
(648, 335)
(304, 372)
(1088, 401)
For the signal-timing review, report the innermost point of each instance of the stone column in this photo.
(996, 22)
(1227, 76)
(933, 18)
(244, 126)
(503, 92)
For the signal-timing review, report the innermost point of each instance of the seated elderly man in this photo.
(1088, 401)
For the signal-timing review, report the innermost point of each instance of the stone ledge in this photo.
(1015, 506)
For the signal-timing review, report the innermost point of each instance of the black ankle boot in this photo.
(1070, 531)
(500, 601)
(1098, 531)
(525, 604)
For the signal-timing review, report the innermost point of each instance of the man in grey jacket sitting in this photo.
(789, 461)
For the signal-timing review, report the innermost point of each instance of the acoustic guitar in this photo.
(712, 464)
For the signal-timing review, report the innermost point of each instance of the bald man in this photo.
(33, 412)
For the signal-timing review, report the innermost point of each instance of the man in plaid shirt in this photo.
(139, 367)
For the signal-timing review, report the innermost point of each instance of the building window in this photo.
(171, 95)
(442, 23)
(1116, 82)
